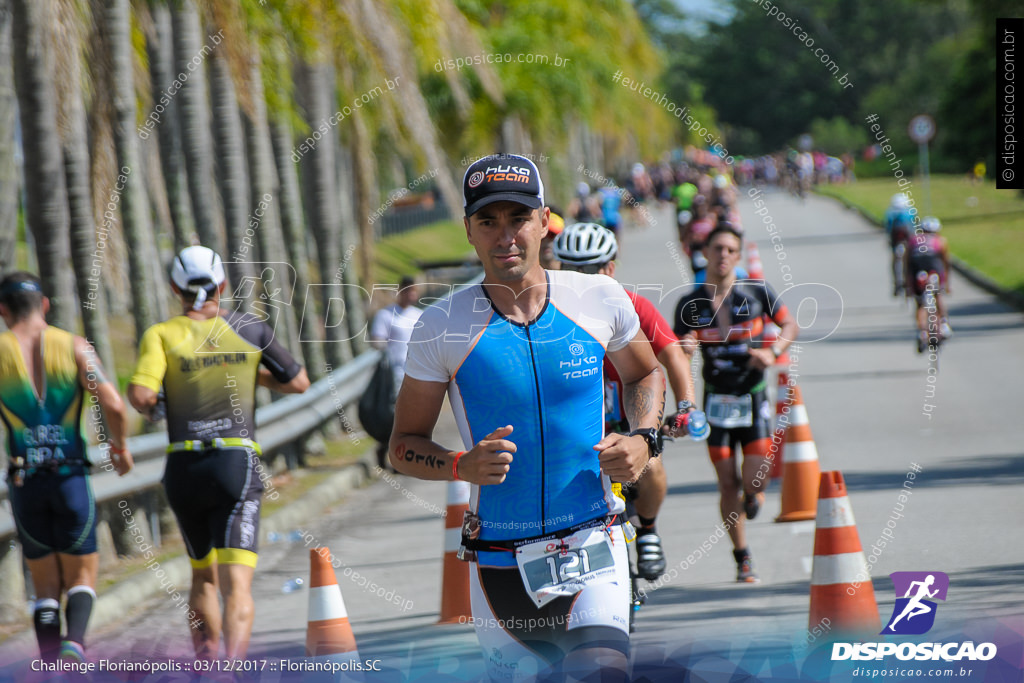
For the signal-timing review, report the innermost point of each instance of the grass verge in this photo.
(984, 226)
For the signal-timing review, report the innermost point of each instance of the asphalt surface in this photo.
(865, 388)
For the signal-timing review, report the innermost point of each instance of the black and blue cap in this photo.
(502, 178)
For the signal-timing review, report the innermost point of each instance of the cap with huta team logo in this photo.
(502, 178)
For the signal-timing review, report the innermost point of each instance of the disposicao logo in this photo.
(914, 614)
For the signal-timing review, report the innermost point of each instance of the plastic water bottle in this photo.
(292, 586)
(697, 425)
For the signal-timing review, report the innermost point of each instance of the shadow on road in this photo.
(990, 470)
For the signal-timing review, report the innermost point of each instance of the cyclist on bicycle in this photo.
(926, 268)
(590, 248)
(899, 223)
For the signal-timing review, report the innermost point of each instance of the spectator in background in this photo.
(390, 332)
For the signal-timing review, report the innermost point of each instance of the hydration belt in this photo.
(229, 442)
(18, 472)
(478, 545)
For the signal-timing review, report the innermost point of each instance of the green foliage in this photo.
(838, 136)
(761, 75)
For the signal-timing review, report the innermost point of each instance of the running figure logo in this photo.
(915, 587)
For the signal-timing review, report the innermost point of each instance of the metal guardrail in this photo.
(278, 424)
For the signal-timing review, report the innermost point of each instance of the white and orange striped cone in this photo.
(771, 335)
(841, 592)
(801, 472)
(754, 268)
(328, 633)
(455, 578)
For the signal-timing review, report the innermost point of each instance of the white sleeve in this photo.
(625, 321)
(425, 361)
(380, 329)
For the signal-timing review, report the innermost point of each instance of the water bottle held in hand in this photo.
(697, 425)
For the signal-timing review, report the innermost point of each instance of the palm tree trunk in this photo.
(311, 333)
(148, 285)
(355, 194)
(89, 253)
(230, 149)
(266, 213)
(165, 119)
(315, 85)
(9, 182)
(46, 212)
(194, 124)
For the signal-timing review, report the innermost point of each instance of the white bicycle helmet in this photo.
(930, 224)
(198, 270)
(899, 200)
(583, 244)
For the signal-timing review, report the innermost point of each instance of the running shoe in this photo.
(650, 560)
(71, 651)
(745, 571)
(944, 329)
(751, 504)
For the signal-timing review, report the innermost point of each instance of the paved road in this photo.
(865, 389)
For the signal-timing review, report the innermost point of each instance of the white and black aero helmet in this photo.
(198, 270)
(583, 244)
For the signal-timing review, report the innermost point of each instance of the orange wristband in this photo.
(117, 451)
(455, 466)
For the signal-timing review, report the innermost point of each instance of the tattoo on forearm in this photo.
(639, 402)
(409, 455)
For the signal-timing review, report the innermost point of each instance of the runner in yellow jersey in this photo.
(208, 362)
(44, 374)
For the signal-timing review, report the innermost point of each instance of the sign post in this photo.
(921, 130)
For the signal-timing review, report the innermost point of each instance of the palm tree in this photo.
(149, 305)
(314, 83)
(230, 149)
(89, 252)
(46, 212)
(311, 333)
(194, 123)
(264, 194)
(9, 183)
(160, 47)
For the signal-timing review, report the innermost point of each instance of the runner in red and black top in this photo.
(725, 318)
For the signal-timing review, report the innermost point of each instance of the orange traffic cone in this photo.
(801, 472)
(455, 578)
(754, 269)
(841, 592)
(771, 335)
(328, 631)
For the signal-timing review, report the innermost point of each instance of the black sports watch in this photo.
(650, 435)
(685, 406)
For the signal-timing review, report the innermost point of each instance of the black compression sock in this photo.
(741, 554)
(77, 611)
(647, 524)
(46, 619)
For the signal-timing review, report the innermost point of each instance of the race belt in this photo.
(228, 442)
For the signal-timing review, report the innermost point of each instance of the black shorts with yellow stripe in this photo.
(215, 495)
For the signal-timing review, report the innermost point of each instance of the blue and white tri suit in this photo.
(544, 378)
